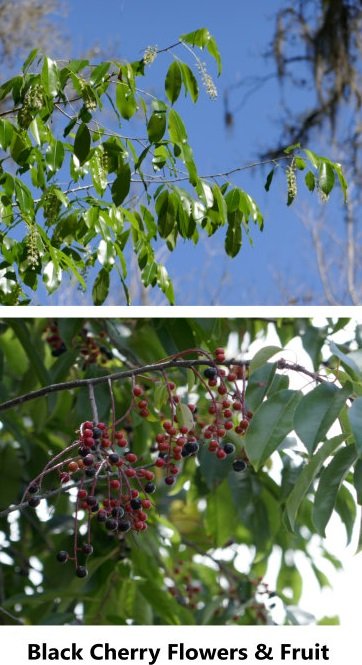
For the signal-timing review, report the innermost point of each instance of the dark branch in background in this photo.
(145, 369)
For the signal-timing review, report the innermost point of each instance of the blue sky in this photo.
(281, 259)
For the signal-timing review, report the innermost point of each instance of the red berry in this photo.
(220, 454)
(87, 432)
(160, 462)
(115, 484)
(87, 425)
(131, 457)
(228, 425)
(130, 473)
(167, 425)
(137, 391)
(82, 494)
(146, 504)
(169, 480)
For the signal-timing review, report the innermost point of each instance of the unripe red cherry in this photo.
(220, 454)
(228, 425)
(115, 484)
(137, 391)
(131, 457)
(130, 473)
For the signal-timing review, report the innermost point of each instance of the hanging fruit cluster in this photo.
(114, 485)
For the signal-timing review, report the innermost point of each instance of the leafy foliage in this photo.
(185, 568)
(128, 191)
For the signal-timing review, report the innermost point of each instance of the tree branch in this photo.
(145, 369)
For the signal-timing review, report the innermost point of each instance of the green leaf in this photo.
(176, 127)
(166, 204)
(221, 517)
(233, 239)
(52, 275)
(313, 158)
(82, 143)
(189, 81)
(173, 82)
(50, 77)
(271, 423)
(54, 156)
(291, 148)
(307, 475)
(125, 100)
(348, 363)
(101, 287)
(6, 133)
(317, 411)
(330, 481)
(156, 126)
(342, 180)
(184, 416)
(262, 356)
(24, 198)
(357, 480)
(121, 185)
(203, 39)
(310, 181)
(269, 179)
(355, 419)
(346, 509)
(299, 163)
(326, 177)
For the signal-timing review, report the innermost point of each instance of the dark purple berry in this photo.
(101, 515)
(150, 487)
(97, 433)
(88, 460)
(87, 549)
(239, 465)
(33, 488)
(117, 512)
(124, 525)
(111, 524)
(91, 500)
(113, 458)
(210, 372)
(136, 504)
(81, 571)
(90, 472)
(229, 448)
(169, 480)
(62, 556)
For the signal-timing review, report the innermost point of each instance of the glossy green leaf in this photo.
(121, 185)
(262, 356)
(357, 480)
(82, 143)
(176, 127)
(50, 77)
(54, 156)
(173, 82)
(309, 472)
(310, 181)
(184, 416)
(233, 239)
(326, 177)
(271, 423)
(269, 180)
(125, 100)
(6, 133)
(355, 419)
(101, 287)
(330, 481)
(189, 81)
(317, 411)
(348, 363)
(156, 126)
(166, 212)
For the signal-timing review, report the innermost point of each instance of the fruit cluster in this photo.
(113, 484)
